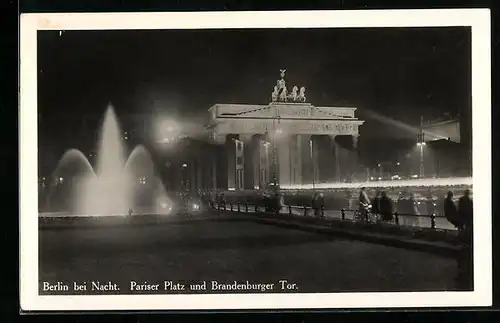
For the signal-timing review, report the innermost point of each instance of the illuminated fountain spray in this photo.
(110, 191)
(117, 185)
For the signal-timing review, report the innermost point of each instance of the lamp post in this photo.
(185, 176)
(271, 141)
(421, 144)
(274, 156)
(265, 178)
(312, 163)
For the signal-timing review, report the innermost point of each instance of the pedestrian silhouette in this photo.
(376, 203)
(318, 204)
(364, 204)
(386, 207)
(450, 210)
(465, 257)
(465, 211)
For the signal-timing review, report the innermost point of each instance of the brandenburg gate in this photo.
(289, 142)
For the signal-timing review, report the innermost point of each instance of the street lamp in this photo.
(276, 131)
(184, 177)
(312, 163)
(379, 171)
(421, 144)
(267, 163)
(168, 131)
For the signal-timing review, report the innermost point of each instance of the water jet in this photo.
(117, 185)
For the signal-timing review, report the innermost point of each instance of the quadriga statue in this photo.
(283, 95)
(294, 94)
(274, 94)
(302, 95)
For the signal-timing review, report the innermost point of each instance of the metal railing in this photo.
(432, 221)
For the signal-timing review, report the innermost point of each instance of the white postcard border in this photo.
(478, 19)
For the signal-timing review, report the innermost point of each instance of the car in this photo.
(186, 205)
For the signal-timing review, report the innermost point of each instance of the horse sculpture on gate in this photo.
(294, 94)
(302, 95)
(280, 92)
(283, 94)
(274, 94)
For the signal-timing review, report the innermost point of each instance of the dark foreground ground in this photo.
(188, 251)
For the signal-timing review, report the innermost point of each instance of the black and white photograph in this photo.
(255, 160)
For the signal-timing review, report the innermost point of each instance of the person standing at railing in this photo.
(278, 202)
(314, 203)
(414, 219)
(450, 210)
(282, 201)
(222, 200)
(267, 202)
(407, 208)
(465, 211)
(321, 202)
(213, 199)
(386, 208)
(364, 204)
(465, 259)
(318, 202)
(376, 204)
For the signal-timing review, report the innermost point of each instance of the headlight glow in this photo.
(166, 206)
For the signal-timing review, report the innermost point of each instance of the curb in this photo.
(97, 223)
(440, 248)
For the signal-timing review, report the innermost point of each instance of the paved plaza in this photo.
(205, 248)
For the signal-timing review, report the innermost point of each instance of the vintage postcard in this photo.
(255, 160)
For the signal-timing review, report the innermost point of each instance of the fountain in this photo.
(117, 185)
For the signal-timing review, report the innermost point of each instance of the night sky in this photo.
(400, 73)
